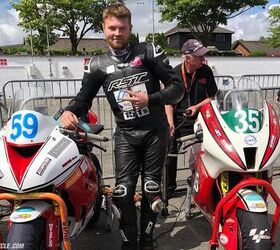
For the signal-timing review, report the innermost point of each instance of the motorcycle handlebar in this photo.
(186, 138)
(90, 136)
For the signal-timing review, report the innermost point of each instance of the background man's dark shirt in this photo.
(200, 86)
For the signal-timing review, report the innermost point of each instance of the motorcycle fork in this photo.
(224, 183)
(52, 228)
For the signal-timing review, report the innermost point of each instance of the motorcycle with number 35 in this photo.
(48, 174)
(234, 149)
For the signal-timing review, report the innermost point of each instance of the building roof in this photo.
(252, 46)
(65, 43)
(176, 29)
(20, 45)
(87, 43)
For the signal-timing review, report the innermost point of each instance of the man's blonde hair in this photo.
(118, 10)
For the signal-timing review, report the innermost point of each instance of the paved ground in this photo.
(172, 232)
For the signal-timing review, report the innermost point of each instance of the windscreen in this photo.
(241, 107)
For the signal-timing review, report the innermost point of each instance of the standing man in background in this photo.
(130, 76)
(200, 88)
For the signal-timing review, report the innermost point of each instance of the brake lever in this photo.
(98, 146)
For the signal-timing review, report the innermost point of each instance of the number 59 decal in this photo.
(24, 125)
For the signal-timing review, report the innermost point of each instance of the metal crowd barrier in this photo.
(263, 80)
(67, 88)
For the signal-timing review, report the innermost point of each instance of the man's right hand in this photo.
(69, 120)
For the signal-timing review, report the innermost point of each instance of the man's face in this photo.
(117, 31)
(195, 61)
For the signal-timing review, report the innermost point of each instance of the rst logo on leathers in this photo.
(127, 81)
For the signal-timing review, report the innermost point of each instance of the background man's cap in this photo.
(194, 47)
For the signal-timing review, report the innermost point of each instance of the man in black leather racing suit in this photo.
(130, 77)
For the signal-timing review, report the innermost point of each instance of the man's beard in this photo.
(119, 45)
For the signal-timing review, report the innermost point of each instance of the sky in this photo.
(248, 26)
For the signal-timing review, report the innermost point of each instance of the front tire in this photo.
(30, 235)
(98, 202)
(254, 231)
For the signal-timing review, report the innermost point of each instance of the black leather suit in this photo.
(141, 136)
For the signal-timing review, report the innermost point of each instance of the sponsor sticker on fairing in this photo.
(41, 170)
(253, 197)
(250, 140)
(257, 205)
(59, 147)
(207, 114)
(223, 239)
(25, 209)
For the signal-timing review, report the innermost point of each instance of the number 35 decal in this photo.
(247, 121)
(24, 125)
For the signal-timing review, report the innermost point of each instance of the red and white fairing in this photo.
(224, 150)
(39, 160)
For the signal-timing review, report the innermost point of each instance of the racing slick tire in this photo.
(28, 235)
(254, 231)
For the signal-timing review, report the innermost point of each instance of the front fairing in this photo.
(33, 152)
(250, 145)
(54, 162)
(28, 127)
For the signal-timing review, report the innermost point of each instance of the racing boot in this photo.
(130, 246)
(129, 238)
(147, 222)
(146, 243)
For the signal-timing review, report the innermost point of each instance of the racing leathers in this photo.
(141, 136)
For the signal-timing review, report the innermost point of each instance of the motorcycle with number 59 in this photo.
(49, 174)
(234, 147)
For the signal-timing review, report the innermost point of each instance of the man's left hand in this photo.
(138, 99)
(193, 109)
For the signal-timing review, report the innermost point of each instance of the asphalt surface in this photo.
(173, 232)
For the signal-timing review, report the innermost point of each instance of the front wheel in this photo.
(254, 231)
(28, 235)
(98, 202)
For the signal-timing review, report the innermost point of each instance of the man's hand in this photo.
(138, 99)
(171, 129)
(191, 111)
(69, 120)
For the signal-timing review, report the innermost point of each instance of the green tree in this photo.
(203, 16)
(30, 18)
(160, 39)
(134, 38)
(72, 18)
(274, 18)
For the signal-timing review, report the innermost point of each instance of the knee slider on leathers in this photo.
(124, 193)
(151, 189)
